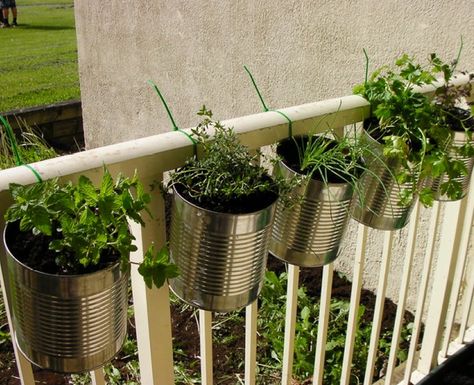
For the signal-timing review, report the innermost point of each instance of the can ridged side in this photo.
(377, 202)
(221, 257)
(309, 233)
(71, 323)
(459, 139)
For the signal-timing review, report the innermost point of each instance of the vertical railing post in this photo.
(468, 293)
(290, 323)
(442, 283)
(250, 343)
(352, 326)
(152, 306)
(422, 291)
(404, 285)
(459, 272)
(205, 337)
(324, 312)
(468, 297)
(379, 305)
(98, 377)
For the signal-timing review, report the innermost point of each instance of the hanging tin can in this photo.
(460, 138)
(309, 233)
(377, 203)
(67, 323)
(221, 256)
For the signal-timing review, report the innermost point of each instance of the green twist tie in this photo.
(173, 123)
(290, 123)
(16, 152)
(265, 108)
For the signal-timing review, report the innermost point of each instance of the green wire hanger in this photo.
(14, 146)
(170, 115)
(265, 108)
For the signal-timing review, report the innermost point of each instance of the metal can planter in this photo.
(459, 139)
(221, 257)
(309, 233)
(377, 203)
(67, 323)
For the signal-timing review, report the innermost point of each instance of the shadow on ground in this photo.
(44, 27)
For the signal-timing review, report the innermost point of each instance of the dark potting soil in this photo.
(234, 205)
(460, 119)
(373, 129)
(33, 251)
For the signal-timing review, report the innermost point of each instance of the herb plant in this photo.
(84, 227)
(338, 159)
(447, 99)
(409, 126)
(448, 95)
(226, 177)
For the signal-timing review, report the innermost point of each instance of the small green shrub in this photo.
(271, 328)
(226, 176)
(31, 146)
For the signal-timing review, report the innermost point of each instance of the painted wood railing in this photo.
(436, 308)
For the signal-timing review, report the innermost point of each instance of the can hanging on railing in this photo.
(459, 139)
(377, 203)
(67, 323)
(221, 257)
(309, 233)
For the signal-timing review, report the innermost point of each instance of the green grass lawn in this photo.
(38, 61)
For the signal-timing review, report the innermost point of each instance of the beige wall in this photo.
(299, 51)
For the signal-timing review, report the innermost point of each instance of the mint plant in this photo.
(156, 267)
(86, 227)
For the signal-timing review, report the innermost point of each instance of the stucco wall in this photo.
(299, 51)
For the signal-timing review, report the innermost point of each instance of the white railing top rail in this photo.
(255, 131)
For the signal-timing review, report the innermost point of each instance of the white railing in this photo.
(155, 155)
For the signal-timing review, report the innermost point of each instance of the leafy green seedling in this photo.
(85, 226)
(156, 268)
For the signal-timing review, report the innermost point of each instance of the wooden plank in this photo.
(44, 114)
(354, 305)
(379, 305)
(324, 312)
(250, 343)
(205, 337)
(290, 323)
